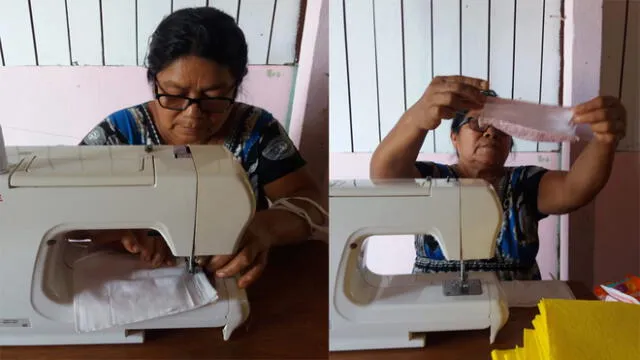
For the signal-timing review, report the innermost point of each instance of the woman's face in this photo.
(195, 78)
(488, 148)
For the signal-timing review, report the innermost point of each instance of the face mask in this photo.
(530, 121)
(112, 290)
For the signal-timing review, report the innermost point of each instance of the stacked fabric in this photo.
(581, 330)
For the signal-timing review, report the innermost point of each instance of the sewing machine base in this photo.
(225, 315)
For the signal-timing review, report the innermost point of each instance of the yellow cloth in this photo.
(580, 329)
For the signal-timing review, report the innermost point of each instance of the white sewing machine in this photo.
(370, 311)
(197, 197)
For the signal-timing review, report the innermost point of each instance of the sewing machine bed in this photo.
(288, 320)
(465, 344)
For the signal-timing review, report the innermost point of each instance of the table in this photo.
(289, 319)
(465, 344)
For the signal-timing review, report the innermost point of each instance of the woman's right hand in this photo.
(445, 96)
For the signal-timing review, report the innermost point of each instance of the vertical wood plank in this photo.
(183, 4)
(527, 67)
(85, 32)
(501, 32)
(339, 112)
(475, 38)
(417, 56)
(630, 95)
(362, 72)
(551, 56)
(282, 49)
(389, 62)
(228, 6)
(255, 20)
(613, 34)
(50, 27)
(446, 57)
(119, 26)
(15, 33)
(150, 14)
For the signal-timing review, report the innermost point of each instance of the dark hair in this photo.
(460, 115)
(204, 32)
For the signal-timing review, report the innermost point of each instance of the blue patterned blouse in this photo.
(517, 243)
(258, 141)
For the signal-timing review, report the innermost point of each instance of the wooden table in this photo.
(289, 319)
(465, 345)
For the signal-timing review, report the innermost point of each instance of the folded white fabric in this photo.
(114, 289)
(531, 121)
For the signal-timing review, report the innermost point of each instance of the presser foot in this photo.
(458, 287)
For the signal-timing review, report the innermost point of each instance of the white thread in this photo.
(284, 204)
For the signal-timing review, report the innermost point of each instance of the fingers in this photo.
(241, 261)
(254, 273)
(474, 82)
(462, 92)
(130, 242)
(217, 262)
(599, 102)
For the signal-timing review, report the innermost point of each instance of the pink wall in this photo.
(309, 126)
(59, 105)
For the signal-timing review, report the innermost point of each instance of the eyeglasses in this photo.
(212, 105)
(475, 126)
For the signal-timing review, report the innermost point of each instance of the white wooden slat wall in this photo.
(515, 44)
(116, 32)
(339, 108)
(50, 28)
(359, 21)
(85, 32)
(418, 59)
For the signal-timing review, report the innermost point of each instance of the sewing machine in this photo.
(371, 311)
(197, 197)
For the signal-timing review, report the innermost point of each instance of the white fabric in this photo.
(531, 121)
(114, 289)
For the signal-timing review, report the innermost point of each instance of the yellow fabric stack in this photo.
(580, 330)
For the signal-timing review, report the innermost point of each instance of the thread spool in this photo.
(4, 162)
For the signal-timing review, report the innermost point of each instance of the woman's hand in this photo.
(252, 258)
(445, 96)
(607, 117)
(149, 244)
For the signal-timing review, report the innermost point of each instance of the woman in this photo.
(528, 193)
(196, 63)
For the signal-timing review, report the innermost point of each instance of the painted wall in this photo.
(116, 32)
(616, 212)
(383, 55)
(59, 105)
(309, 126)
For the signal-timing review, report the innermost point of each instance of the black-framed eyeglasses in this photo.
(475, 126)
(211, 105)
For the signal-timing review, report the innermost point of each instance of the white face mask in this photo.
(531, 121)
(113, 289)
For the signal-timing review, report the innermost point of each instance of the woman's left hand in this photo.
(251, 260)
(607, 117)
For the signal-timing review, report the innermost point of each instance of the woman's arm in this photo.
(396, 155)
(286, 227)
(561, 192)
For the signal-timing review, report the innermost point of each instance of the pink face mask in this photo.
(531, 121)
